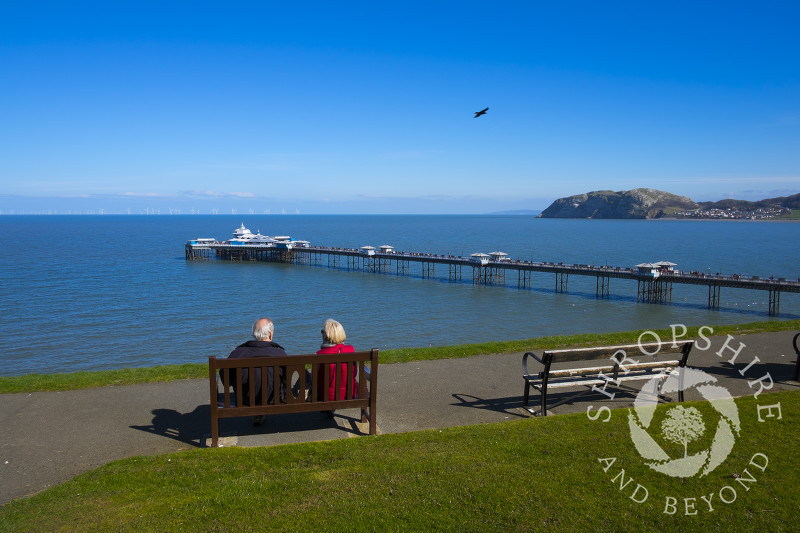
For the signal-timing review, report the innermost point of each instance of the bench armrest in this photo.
(525, 362)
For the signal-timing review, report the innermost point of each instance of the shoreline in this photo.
(28, 383)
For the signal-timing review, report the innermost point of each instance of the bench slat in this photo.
(633, 351)
(632, 362)
(607, 369)
(592, 381)
(229, 405)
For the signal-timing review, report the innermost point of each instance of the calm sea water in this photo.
(102, 292)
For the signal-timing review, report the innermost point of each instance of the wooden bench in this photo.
(630, 363)
(304, 396)
(797, 351)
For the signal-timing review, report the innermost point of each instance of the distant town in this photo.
(761, 213)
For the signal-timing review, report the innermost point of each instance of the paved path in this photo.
(47, 438)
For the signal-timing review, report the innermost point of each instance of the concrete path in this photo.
(49, 437)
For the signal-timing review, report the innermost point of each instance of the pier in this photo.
(654, 280)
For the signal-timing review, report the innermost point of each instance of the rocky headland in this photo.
(652, 203)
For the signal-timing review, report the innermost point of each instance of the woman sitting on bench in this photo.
(333, 338)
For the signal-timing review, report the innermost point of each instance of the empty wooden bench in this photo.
(623, 369)
(304, 396)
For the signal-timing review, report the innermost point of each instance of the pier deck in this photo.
(485, 270)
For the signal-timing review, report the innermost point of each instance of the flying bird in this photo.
(481, 112)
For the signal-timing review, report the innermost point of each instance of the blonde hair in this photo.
(333, 332)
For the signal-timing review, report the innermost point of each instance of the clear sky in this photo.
(367, 107)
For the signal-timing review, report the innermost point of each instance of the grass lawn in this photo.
(129, 376)
(527, 475)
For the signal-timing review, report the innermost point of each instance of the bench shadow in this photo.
(512, 405)
(781, 372)
(294, 423)
(301, 423)
(183, 427)
(193, 428)
(577, 400)
(509, 405)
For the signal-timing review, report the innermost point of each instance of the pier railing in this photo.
(652, 288)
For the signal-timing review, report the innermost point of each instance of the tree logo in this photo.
(683, 426)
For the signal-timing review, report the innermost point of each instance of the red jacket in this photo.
(339, 348)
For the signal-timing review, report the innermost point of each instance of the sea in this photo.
(96, 292)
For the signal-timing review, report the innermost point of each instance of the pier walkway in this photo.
(654, 281)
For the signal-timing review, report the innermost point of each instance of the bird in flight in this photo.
(481, 112)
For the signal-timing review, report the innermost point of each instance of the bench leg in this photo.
(543, 394)
(527, 396)
(796, 347)
(373, 419)
(214, 432)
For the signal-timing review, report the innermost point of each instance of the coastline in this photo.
(30, 383)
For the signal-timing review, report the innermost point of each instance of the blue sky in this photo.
(367, 107)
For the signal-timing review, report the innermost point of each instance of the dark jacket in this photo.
(259, 349)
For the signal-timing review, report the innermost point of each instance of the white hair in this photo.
(263, 329)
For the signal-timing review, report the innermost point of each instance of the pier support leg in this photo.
(493, 276)
(774, 302)
(603, 283)
(667, 291)
(478, 275)
(370, 263)
(657, 291)
(562, 281)
(402, 266)
(454, 273)
(713, 296)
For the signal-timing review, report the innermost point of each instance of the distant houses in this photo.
(762, 213)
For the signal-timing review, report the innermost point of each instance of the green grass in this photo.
(794, 215)
(130, 376)
(85, 380)
(403, 355)
(528, 475)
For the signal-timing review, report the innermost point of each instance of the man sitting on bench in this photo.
(261, 346)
